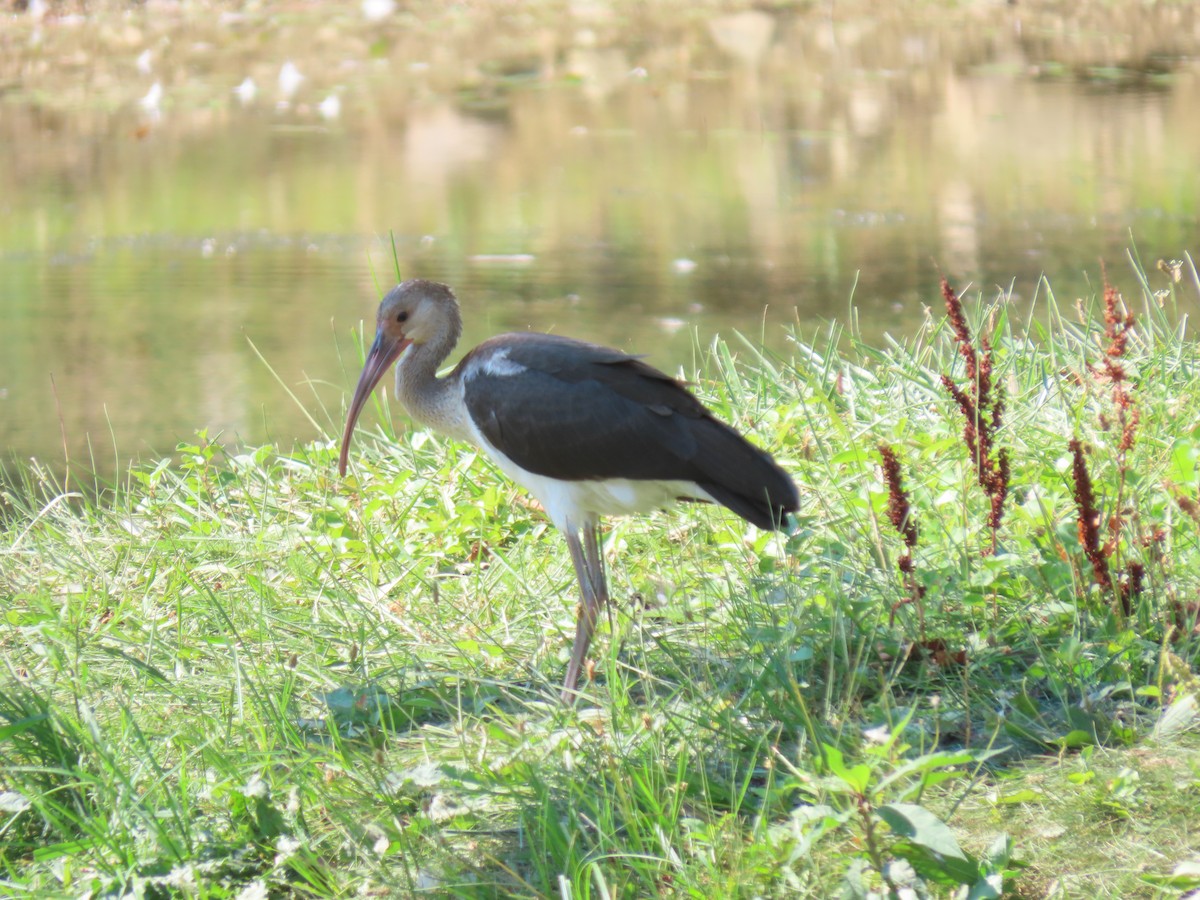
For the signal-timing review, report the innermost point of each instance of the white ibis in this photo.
(587, 430)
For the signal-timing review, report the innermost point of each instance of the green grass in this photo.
(236, 675)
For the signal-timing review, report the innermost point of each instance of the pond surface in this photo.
(176, 255)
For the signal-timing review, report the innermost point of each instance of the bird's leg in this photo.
(595, 561)
(589, 568)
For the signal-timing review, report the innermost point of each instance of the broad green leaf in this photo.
(990, 887)
(921, 827)
(1183, 462)
(856, 778)
(1074, 739)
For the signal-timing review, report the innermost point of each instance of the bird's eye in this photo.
(402, 317)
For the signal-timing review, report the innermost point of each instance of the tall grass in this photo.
(237, 675)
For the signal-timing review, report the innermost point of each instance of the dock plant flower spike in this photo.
(982, 405)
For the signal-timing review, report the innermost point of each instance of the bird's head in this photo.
(414, 312)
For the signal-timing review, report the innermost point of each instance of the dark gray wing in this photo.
(577, 411)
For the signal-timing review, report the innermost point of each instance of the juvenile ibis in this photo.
(587, 430)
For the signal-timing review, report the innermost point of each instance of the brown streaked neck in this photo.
(433, 401)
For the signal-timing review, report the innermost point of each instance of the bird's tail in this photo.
(745, 479)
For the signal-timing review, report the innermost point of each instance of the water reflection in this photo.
(614, 174)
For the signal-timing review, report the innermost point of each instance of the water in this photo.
(643, 178)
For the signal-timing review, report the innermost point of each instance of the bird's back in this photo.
(578, 412)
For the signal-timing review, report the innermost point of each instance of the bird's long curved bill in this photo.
(384, 351)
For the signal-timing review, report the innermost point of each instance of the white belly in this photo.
(572, 505)
(575, 504)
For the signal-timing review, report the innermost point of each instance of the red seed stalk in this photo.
(982, 406)
(901, 516)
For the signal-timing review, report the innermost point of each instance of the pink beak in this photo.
(382, 354)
